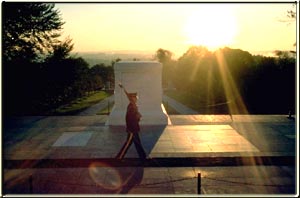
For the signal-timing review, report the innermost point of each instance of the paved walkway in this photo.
(93, 110)
(180, 108)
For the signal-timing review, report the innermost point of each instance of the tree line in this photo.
(206, 79)
(39, 74)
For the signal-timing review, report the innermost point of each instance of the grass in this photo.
(81, 104)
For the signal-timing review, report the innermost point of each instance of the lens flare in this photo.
(105, 176)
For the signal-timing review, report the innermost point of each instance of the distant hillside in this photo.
(94, 58)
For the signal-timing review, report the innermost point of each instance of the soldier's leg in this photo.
(138, 146)
(125, 147)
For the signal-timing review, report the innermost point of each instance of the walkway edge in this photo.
(154, 162)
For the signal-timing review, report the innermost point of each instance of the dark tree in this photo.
(165, 58)
(30, 40)
(29, 29)
(106, 73)
(115, 61)
(163, 55)
(60, 51)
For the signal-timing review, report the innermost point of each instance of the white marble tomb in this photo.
(143, 77)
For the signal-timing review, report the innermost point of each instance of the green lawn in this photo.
(81, 104)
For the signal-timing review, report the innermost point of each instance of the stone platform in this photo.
(189, 136)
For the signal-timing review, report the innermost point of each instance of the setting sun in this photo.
(212, 28)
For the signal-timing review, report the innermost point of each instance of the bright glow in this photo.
(212, 27)
(236, 105)
(147, 27)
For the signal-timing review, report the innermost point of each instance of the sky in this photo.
(253, 27)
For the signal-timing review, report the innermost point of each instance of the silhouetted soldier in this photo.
(133, 117)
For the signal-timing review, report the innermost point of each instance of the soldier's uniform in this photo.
(133, 117)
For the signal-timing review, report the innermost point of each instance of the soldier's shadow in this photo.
(150, 135)
(132, 176)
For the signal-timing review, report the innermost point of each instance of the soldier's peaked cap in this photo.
(132, 94)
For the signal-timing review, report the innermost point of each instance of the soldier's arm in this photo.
(122, 87)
